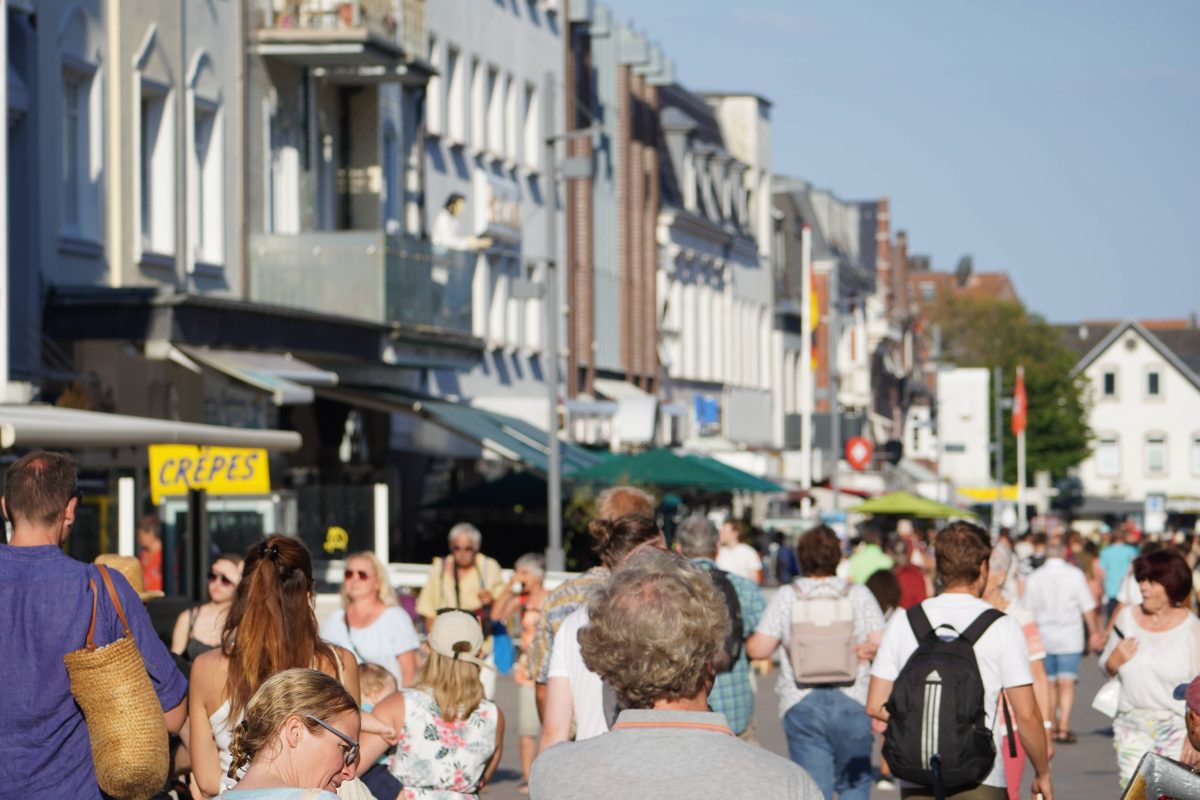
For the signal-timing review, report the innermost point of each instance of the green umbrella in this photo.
(909, 505)
(663, 467)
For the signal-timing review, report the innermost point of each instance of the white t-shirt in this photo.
(1058, 595)
(587, 690)
(740, 559)
(1164, 659)
(1130, 593)
(1000, 652)
(381, 642)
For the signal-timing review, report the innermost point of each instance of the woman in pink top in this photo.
(1014, 766)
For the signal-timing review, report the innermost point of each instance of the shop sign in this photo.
(177, 468)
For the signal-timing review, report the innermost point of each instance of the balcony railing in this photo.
(366, 275)
(395, 23)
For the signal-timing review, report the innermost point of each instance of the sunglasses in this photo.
(361, 574)
(351, 753)
(216, 576)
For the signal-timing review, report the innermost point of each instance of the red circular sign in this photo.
(859, 451)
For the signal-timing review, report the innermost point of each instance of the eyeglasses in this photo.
(361, 574)
(351, 755)
(216, 576)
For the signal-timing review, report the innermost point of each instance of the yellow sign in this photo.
(337, 540)
(176, 468)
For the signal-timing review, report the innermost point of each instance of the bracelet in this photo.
(1048, 725)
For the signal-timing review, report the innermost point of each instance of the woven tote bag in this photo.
(124, 717)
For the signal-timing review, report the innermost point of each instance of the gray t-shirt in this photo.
(657, 754)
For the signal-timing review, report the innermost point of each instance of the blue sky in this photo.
(1055, 140)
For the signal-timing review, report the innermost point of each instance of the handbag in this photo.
(124, 717)
(1108, 700)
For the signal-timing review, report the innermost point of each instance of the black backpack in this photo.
(735, 640)
(937, 732)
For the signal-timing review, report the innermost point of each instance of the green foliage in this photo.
(984, 332)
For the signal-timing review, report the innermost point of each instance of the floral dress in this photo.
(440, 760)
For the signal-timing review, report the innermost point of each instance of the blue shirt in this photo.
(47, 607)
(1115, 560)
(732, 694)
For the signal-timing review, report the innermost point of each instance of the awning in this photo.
(508, 437)
(50, 426)
(665, 468)
(637, 411)
(288, 380)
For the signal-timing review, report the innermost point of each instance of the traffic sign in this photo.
(859, 451)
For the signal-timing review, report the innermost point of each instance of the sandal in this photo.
(1065, 737)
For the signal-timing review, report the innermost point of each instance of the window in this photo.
(1153, 388)
(512, 121)
(478, 115)
(435, 97)
(1108, 457)
(1156, 454)
(1196, 454)
(80, 195)
(456, 97)
(391, 181)
(531, 140)
(928, 290)
(156, 165)
(208, 183)
(496, 92)
(1110, 383)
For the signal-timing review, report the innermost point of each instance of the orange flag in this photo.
(1019, 406)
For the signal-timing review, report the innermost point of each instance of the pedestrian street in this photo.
(1084, 770)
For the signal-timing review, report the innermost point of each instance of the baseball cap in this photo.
(457, 635)
(1190, 692)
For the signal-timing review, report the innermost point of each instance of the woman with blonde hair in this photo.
(371, 625)
(298, 741)
(450, 737)
(270, 628)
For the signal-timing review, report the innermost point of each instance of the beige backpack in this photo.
(821, 646)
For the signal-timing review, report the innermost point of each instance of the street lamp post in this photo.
(555, 557)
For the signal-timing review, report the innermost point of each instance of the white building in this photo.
(1144, 388)
(485, 125)
(963, 424)
(714, 286)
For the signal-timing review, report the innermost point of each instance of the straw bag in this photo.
(124, 717)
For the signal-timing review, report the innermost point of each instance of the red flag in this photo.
(1019, 406)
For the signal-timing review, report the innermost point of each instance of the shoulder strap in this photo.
(112, 592)
(192, 614)
(91, 641)
(919, 622)
(984, 621)
(350, 639)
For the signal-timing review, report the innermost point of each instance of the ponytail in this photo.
(271, 625)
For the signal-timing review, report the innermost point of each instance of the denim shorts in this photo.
(1063, 665)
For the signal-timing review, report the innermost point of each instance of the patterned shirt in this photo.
(557, 606)
(777, 623)
(732, 694)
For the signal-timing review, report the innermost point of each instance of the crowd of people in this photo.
(959, 654)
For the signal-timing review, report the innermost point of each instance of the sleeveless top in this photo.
(440, 760)
(194, 646)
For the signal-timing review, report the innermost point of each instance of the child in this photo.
(377, 683)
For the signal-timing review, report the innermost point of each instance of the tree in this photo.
(985, 332)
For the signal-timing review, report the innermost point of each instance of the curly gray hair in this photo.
(655, 630)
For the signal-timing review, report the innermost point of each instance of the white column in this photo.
(806, 371)
(126, 516)
(382, 519)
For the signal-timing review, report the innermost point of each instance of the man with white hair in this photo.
(466, 580)
(1057, 593)
(655, 636)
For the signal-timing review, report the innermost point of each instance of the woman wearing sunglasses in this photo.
(298, 741)
(371, 625)
(271, 627)
(449, 737)
(198, 629)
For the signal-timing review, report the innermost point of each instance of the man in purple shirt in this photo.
(47, 608)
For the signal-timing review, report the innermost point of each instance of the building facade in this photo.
(1144, 405)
